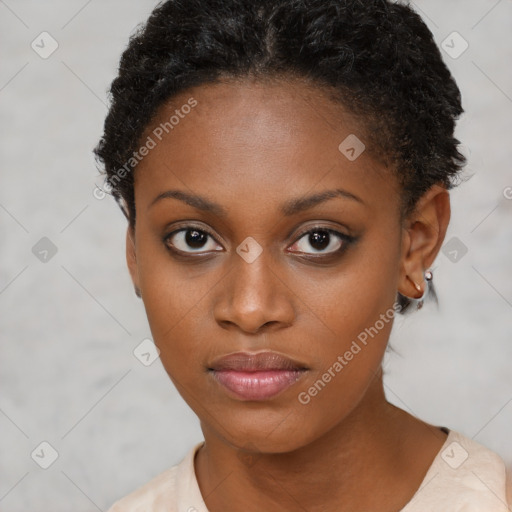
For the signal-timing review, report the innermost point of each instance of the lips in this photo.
(252, 362)
(256, 376)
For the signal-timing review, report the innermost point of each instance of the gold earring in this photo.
(416, 285)
(428, 277)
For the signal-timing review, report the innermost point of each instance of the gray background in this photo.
(69, 325)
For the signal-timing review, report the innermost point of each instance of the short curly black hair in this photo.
(377, 58)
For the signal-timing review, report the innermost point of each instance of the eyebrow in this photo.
(289, 208)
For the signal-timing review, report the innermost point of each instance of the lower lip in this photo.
(258, 385)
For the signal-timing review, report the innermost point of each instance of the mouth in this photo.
(256, 376)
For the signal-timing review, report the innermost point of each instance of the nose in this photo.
(254, 297)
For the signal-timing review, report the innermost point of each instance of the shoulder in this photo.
(146, 497)
(164, 491)
(465, 475)
(509, 487)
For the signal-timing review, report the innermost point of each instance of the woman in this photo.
(284, 168)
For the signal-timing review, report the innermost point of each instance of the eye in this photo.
(323, 241)
(191, 240)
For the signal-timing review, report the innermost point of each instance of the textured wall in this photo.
(69, 325)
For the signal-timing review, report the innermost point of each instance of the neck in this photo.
(375, 459)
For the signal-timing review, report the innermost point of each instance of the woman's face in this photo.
(281, 262)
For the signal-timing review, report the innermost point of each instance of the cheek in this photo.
(171, 291)
(354, 301)
(350, 364)
(348, 346)
(175, 299)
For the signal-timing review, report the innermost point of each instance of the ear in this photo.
(423, 234)
(131, 259)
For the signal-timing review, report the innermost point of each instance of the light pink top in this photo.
(464, 477)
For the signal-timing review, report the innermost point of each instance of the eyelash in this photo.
(345, 239)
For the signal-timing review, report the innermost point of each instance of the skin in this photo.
(250, 147)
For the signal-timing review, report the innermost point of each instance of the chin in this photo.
(264, 431)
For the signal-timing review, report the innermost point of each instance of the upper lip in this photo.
(254, 361)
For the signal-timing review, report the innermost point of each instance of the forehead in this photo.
(261, 140)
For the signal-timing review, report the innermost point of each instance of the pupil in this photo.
(319, 239)
(195, 238)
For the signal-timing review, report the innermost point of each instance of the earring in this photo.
(137, 292)
(428, 277)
